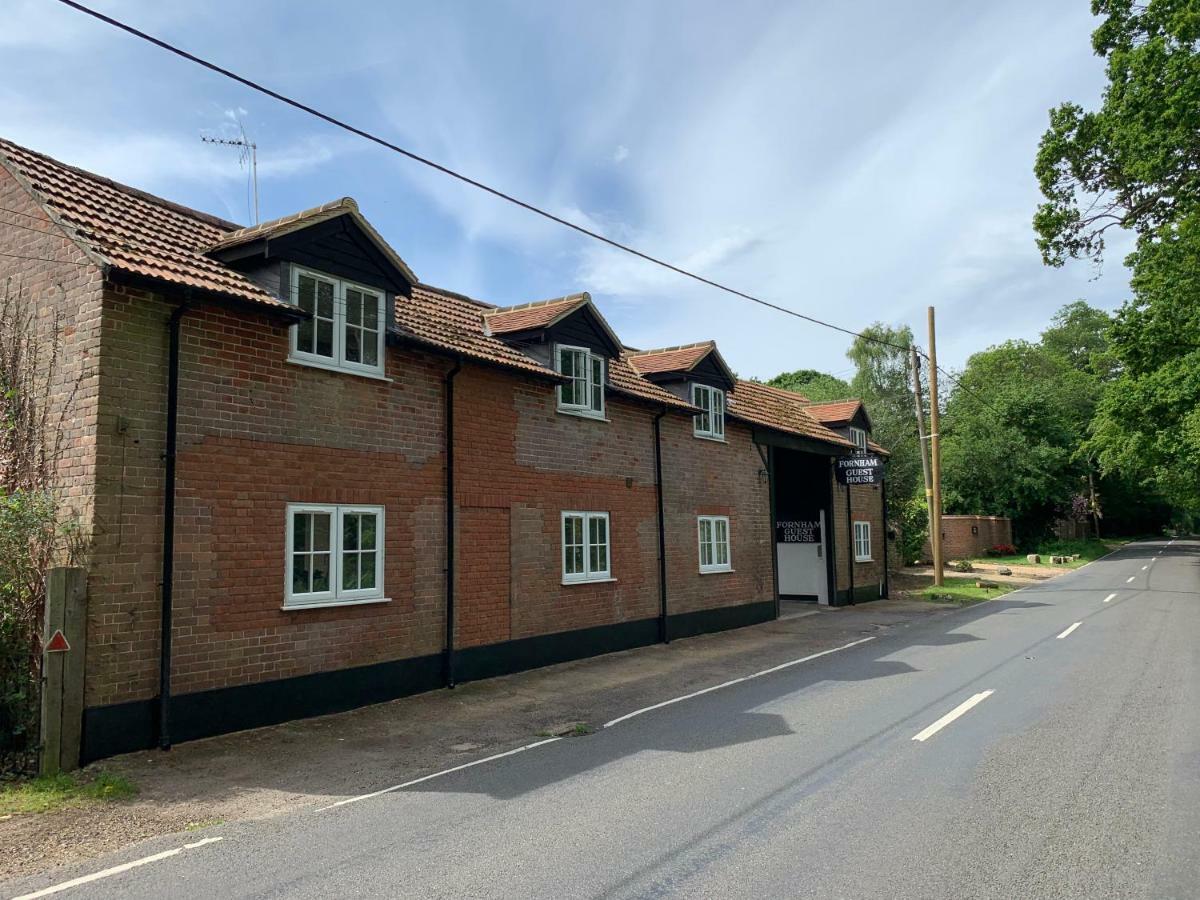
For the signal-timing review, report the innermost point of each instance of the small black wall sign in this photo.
(798, 531)
(864, 469)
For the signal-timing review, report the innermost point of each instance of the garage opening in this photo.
(803, 496)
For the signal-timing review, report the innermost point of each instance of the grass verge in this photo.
(961, 590)
(47, 793)
(1088, 550)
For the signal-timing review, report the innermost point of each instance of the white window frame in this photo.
(338, 360)
(588, 574)
(858, 436)
(715, 524)
(862, 538)
(594, 388)
(336, 595)
(714, 411)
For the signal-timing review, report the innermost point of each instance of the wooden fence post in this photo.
(64, 642)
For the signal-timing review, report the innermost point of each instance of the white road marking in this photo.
(1110, 597)
(717, 687)
(478, 762)
(115, 870)
(1129, 580)
(949, 717)
(1144, 568)
(1069, 630)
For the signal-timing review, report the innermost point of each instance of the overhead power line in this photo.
(446, 170)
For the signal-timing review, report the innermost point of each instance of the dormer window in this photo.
(582, 394)
(347, 324)
(710, 423)
(859, 437)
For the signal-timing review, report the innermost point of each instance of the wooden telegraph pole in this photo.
(935, 457)
(915, 364)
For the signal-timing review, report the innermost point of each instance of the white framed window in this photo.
(583, 392)
(347, 325)
(710, 422)
(334, 554)
(859, 437)
(862, 541)
(714, 543)
(586, 547)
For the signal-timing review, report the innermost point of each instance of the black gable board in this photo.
(581, 329)
(708, 372)
(338, 247)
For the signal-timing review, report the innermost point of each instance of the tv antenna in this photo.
(248, 153)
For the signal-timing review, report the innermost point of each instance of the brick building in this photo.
(312, 482)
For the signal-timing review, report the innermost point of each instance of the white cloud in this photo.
(620, 154)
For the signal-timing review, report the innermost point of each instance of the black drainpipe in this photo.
(168, 545)
(663, 634)
(850, 547)
(449, 661)
(886, 539)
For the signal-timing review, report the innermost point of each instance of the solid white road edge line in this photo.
(1110, 597)
(964, 707)
(717, 687)
(478, 762)
(1069, 630)
(115, 870)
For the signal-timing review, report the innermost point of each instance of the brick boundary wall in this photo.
(960, 542)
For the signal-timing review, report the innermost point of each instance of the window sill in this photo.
(588, 581)
(717, 571)
(332, 367)
(326, 604)
(710, 437)
(863, 559)
(580, 414)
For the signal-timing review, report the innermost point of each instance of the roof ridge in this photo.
(455, 295)
(832, 402)
(692, 346)
(800, 398)
(209, 218)
(340, 203)
(533, 304)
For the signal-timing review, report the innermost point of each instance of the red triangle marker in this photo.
(58, 642)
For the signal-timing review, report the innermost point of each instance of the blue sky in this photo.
(852, 161)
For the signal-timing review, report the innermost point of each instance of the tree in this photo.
(816, 386)
(1135, 164)
(1078, 334)
(1012, 432)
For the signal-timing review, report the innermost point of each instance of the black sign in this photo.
(865, 469)
(804, 531)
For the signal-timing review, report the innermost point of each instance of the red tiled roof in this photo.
(670, 359)
(130, 230)
(541, 314)
(836, 412)
(761, 404)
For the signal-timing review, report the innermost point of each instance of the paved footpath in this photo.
(1046, 744)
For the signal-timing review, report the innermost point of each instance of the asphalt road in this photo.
(1075, 773)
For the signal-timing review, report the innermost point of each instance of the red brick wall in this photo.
(59, 288)
(866, 504)
(711, 478)
(958, 541)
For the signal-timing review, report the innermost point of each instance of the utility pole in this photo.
(935, 457)
(915, 364)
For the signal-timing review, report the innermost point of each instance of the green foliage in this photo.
(963, 591)
(816, 386)
(1018, 455)
(51, 792)
(1079, 336)
(28, 526)
(913, 515)
(1132, 163)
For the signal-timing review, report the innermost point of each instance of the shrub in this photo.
(913, 518)
(964, 565)
(1001, 550)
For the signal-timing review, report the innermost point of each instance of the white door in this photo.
(802, 567)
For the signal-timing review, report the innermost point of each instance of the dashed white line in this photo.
(717, 687)
(115, 870)
(1129, 580)
(1144, 568)
(1110, 597)
(1069, 630)
(962, 708)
